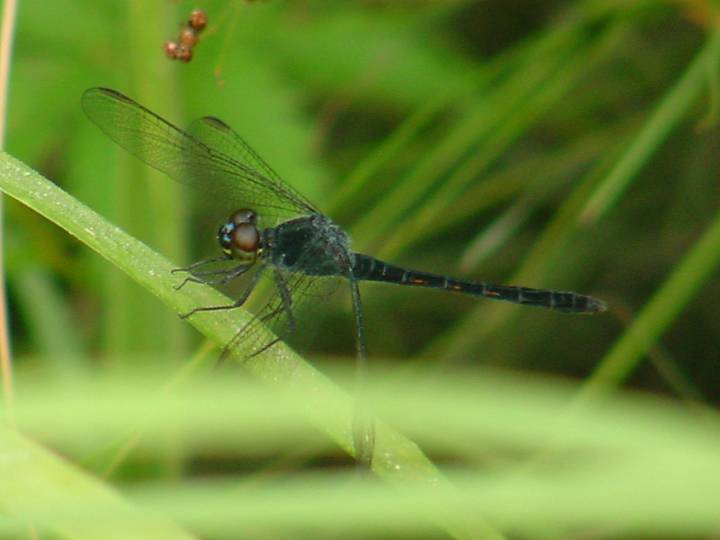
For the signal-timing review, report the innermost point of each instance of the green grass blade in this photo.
(668, 114)
(515, 117)
(664, 307)
(35, 480)
(615, 453)
(56, 338)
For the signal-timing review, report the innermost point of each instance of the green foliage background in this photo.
(551, 144)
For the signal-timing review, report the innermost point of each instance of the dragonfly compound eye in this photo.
(244, 240)
(244, 215)
(225, 236)
(239, 239)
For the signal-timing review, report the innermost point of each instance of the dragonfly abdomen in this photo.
(568, 302)
(371, 269)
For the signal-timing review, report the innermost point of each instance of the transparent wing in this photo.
(272, 315)
(216, 134)
(228, 174)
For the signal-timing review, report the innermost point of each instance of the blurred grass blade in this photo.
(48, 318)
(667, 303)
(668, 114)
(536, 178)
(480, 115)
(385, 152)
(411, 128)
(518, 106)
(496, 234)
(619, 451)
(35, 480)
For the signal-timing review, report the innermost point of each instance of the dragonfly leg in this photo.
(261, 320)
(227, 275)
(285, 305)
(286, 300)
(237, 303)
(363, 427)
(198, 264)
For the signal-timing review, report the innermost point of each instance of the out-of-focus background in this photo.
(565, 145)
(476, 139)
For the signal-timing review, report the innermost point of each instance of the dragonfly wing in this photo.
(253, 338)
(217, 134)
(228, 179)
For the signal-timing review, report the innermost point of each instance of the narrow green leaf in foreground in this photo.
(33, 477)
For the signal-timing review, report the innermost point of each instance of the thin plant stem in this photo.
(7, 31)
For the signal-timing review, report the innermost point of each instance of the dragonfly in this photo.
(273, 230)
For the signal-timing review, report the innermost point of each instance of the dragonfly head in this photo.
(239, 236)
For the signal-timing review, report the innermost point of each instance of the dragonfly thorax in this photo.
(238, 236)
(312, 244)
